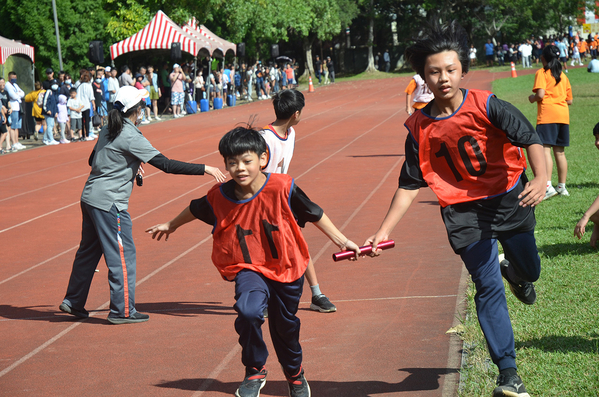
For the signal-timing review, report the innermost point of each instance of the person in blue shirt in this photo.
(563, 53)
(593, 66)
(489, 52)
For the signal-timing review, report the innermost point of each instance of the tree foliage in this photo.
(260, 23)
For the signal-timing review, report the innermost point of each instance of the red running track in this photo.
(387, 338)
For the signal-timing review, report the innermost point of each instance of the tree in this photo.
(32, 22)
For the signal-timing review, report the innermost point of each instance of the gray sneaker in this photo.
(298, 385)
(254, 381)
(136, 317)
(322, 304)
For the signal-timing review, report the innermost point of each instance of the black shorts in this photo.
(39, 119)
(563, 59)
(554, 134)
(3, 129)
(489, 57)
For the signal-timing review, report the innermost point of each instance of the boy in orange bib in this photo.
(258, 244)
(466, 145)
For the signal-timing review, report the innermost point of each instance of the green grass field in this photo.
(557, 339)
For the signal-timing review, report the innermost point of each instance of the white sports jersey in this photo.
(422, 92)
(280, 150)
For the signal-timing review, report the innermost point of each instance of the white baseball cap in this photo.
(130, 96)
(107, 69)
(175, 66)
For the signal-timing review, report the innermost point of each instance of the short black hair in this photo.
(73, 90)
(241, 140)
(435, 38)
(287, 102)
(596, 129)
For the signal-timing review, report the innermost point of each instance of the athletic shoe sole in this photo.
(128, 320)
(317, 308)
(69, 310)
(257, 395)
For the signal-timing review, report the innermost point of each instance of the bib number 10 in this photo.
(470, 140)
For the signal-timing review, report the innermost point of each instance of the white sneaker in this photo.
(64, 141)
(562, 191)
(157, 118)
(21, 146)
(89, 138)
(550, 192)
(92, 136)
(145, 122)
(52, 142)
(15, 147)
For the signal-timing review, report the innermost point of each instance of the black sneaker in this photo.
(511, 386)
(525, 292)
(298, 385)
(254, 381)
(322, 304)
(77, 313)
(136, 317)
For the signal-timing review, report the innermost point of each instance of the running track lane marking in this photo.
(232, 353)
(101, 307)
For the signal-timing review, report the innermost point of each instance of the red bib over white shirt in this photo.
(260, 233)
(464, 157)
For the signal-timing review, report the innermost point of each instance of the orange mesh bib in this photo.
(464, 157)
(259, 233)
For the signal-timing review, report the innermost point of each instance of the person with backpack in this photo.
(37, 97)
(50, 108)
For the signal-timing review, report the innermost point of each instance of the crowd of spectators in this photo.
(574, 48)
(66, 110)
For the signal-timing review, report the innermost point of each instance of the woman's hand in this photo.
(579, 229)
(215, 172)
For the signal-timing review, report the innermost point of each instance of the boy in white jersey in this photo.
(280, 143)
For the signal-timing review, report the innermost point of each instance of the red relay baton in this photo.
(367, 249)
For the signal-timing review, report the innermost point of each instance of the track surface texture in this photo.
(386, 339)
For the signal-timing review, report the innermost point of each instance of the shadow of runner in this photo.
(563, 344)
(51, 313)
(419, 379)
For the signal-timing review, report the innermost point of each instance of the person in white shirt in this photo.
(15, 96)
(526, 53)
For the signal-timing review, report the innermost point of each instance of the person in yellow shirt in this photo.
(37, 113)
(553, 95)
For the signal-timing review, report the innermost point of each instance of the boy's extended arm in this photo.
(534, 191)
(330, 230)
(590, 214)
(402, 200)
(169, 227)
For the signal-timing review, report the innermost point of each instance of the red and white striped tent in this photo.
(10, 47)
(219, 44)
(160, 33)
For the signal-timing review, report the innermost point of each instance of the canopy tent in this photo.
(221, 45)
(160, 33)
(17, 57)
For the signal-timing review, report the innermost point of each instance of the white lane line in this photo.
(216, 372)
(39, 264)
(38, 217)
(102, 307)
(43, 187)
